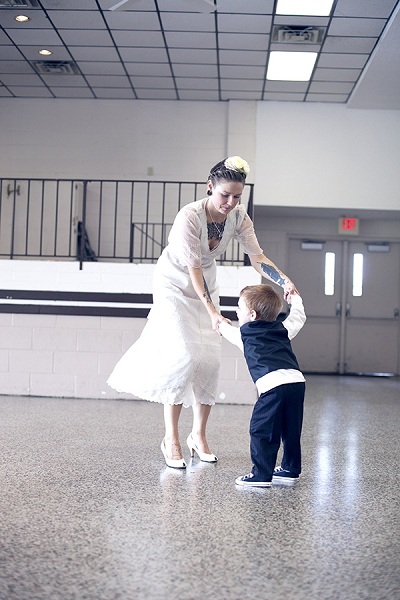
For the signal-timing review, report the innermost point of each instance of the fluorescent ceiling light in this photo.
(316, 8)
(291, 66)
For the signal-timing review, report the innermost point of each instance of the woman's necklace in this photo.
(215, 230)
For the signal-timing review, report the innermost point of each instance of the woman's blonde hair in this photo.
(264, 300)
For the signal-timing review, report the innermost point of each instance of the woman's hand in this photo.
(288, 289)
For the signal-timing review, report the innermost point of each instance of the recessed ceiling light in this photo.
(22, 18)
(291, 66)
(45, 52)
(316, 8)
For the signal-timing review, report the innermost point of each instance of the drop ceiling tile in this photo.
(243, 41)
(72, 92)
(250, 6)
(86, 37)
(196, 83)
(21, 79)
(366, 8)
(286, 86)
(10, 53)
(77, 19)
(242, 72)
(244, 23)
(64, 81)
(239, 57)
(295, 47)
(189, 70)
(145, 55)
(337, 98)
(69, 4)
(331, 87)
(108, 81)
(193, 6)
(146, 94)
(31, 53)
(284, 97)
(185, 22)
(15, 66)
(250, 85)
(38, 19)
(338, 60)
(194, 56)
(166, 83)
(4, 39)
(240, 95)
(199, 95)
(101, 68)
(138, 38)
(94, 54)
(336, 74)
(301, 21)
(153, 69)
(355, 45)
(357, 27)
(139, 5)
(34, 37)
(185, 39)
(114, 93)
(30, 92)
(140, 21)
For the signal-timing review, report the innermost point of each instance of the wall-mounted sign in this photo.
(348, 225)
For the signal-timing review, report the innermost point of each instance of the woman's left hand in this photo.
(288, 289)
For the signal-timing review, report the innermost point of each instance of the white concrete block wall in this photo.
(72, 356)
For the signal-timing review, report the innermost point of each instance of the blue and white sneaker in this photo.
(251, 480)
(283, 476)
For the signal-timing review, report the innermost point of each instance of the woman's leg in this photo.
(201, 412)
(171, 419)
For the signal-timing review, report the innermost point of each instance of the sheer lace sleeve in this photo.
(184, 238)
(245, 233)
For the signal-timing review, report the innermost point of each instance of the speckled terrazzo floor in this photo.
(89, 511)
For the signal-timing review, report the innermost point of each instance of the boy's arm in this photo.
(296, 318)
(231, 333)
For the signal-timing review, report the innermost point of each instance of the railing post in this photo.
(250, 212)
(83, 228)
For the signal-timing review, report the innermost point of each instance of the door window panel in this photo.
(329, 273)
(358, 265)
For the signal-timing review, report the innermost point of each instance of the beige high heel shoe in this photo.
(171, 462)
(210, 458)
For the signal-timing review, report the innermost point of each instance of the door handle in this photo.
(338, 312)
(396, 313)
(347, 309)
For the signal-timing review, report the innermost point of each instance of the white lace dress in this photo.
(176, 360)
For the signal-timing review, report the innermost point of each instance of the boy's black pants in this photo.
(277, 415)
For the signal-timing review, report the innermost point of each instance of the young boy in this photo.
(278, 412)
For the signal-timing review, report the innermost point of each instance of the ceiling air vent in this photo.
(55, 67)
(297, 34)
(19, 4)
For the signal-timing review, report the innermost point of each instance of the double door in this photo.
(351, 293)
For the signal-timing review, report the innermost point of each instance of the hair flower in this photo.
(236, 163)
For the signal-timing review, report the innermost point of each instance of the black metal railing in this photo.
(103, 220)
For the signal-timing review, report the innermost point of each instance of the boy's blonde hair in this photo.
(264, 300)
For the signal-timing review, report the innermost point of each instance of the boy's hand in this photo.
(217, 319)
(224, 320)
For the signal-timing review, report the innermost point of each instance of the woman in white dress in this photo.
(176, 360)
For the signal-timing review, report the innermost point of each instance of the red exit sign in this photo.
(348, 225)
